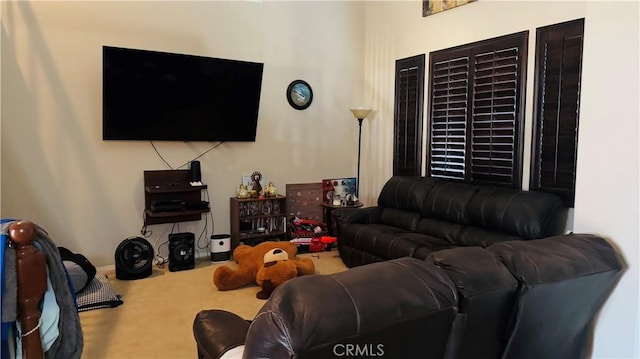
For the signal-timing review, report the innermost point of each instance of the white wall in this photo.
(57, 171)
(607, 196)
(607, 192)
(88, 193)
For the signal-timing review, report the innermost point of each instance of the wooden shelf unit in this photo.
(166, 185)
(249, 214)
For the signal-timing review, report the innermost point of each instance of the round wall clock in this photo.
(299, 94)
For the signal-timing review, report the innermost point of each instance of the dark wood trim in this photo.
(518, 40)
(570, 28)
(400, 169)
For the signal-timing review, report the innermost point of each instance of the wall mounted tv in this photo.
(151, 95)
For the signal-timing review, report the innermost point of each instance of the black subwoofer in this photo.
(181, 251)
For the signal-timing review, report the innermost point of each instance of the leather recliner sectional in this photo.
(453, 271)
(514, 299)
(416, 216)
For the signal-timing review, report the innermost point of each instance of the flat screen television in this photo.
(151, 95)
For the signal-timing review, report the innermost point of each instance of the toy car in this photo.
(315, 244)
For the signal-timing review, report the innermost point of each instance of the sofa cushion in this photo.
(416, 245)
(461, 235)
(526, 214)
(448, 201)
(476, 236)
(440, 229)
(399, 218)
(354, 256)
(405, 192)
(379, 243)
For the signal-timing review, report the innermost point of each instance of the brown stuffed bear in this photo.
(276, 270)
(251, 259)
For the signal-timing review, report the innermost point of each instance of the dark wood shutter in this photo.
(494, 121)
(477, 111)
(556, 112)
(449, 102)
(408, 113)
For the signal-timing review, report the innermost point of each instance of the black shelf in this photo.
(173, 189)
(189, 212)
(171, 185)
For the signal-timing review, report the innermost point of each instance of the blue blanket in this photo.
(70, 341)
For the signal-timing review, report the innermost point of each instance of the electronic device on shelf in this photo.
(153, 95)
(168, 205)
(197, 205)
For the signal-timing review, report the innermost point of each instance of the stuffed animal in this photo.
(251, 259)
(276, 270)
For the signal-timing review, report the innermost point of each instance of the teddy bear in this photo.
(276, 270)
(251, 260)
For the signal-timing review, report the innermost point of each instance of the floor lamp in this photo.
(360, 114)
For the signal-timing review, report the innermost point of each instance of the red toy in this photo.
(315, 244)
(306, 228)
(309, 235)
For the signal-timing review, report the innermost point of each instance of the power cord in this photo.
(145, 231)
(159, 155)
(160, 260)
(186, 163)
(202, 154)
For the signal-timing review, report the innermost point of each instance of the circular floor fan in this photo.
(134, 259)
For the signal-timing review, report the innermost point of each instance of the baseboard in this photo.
(200, 255)
(106, 269)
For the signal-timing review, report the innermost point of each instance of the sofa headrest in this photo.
(564, 282)
(448, 201)
(405, 192)
(526, 214)
(557, 258)
(474, 270)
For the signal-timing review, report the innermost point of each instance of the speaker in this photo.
(195, 171)
(181, 251)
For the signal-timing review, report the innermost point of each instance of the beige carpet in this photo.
(156, 318)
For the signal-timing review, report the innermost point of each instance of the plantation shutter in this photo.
(409, 99)
(494, 121)
(476, 111)
(558, 75)
(449, 99)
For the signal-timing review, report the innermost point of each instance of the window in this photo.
(476, 114)
(556, 111)
(409, 100)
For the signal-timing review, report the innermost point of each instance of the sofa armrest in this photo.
(407, 309)
(366, 215)
(218, 331)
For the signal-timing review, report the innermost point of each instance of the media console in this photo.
(169, 197)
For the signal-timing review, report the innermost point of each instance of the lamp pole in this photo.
(359, 145)
(360, 114)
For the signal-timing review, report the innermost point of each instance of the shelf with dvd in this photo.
(255, 220)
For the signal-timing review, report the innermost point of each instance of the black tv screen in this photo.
(151, 95)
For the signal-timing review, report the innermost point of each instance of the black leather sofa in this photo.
(512, 299)
(416, 216)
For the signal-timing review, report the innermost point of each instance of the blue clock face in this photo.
(299, 94)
